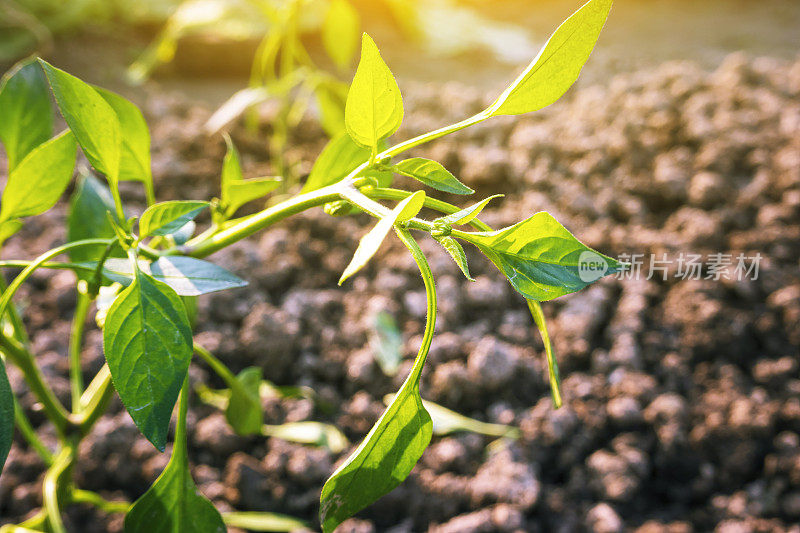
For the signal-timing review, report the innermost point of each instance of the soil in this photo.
(682, 397)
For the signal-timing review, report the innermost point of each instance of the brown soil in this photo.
(682, 397)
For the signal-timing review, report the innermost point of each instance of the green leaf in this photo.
(231, 169)
(187, 276)
(387, 343)
(552, 364)
(168, 217)
(558, 64)
(241, 192)
(467, 215)
(9, 228)
(6, 415)
(173, 504)
(339, 157)
(134, 162)
(312, 433)
(453, 247)
(431, 174)
(91, 119)
(541, 259)
(331, 98)
(264, 522)
(147, 341)
(244, 412)
(27, 113)
(370, 242)
(340, 32)
(36, 184)
(383, 459)
(374, 107)
(89, 208)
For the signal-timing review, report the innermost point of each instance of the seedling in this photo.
(145, 273)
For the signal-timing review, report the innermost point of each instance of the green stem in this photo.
(179, 446)
(52, 486)
(75, 342)
(55, 265)
(432, 135)
(117, 202)
(95, 400)
(16, 321)
(216, 365)
(18, 355)
(29, 434)
(92, 498)
(552, 364)
(36, 263)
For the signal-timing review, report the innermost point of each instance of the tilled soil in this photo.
(682, 397)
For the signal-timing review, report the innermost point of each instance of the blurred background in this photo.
(682, 137)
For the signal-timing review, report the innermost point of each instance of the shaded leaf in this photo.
(244, 412)
(91, 119)
(6, 415)
(36, 184)
(27, 113)
(168, 217)
(340, 32)
(432, 174)
(148, 345)
(187, 276)
(314, 433)
(374, 107)
(264, 522)
(89, 209)
(386, 343)
(453, 247)
(552, 364)
(558, 64)
(541, 258)
(370, 242)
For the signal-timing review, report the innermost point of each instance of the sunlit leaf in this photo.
(467, 215)
(558, 64)
(147, 341)
(340, 32)
(447, 422)
(374, 108)
(339, 157)
(432, 174)
(27, 115)
(244, 412)
(273, 522)
(241, 192)
(331, 98)
(370, 242)
(91, 119)
(9, 228)
(36, 184)
(314, 433)
(168, 217)
(541, 259)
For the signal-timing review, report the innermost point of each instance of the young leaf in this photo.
(36, 184)
(541, 259)
(173, 504)
(312, 433)
(241, 192)
(374, 107)
(148, 345)
(552, 364)
(168, 217)
(340, 32)
(466, 215)
(558, 64)
(89, 208)
(382, 460)
(91, 119)
(134, 162)
(453, 247)
(370, 242)
(432, 174)
(6, 415)
(187, 276)
(27, 113)
(244, 407)
(339, 157)
(264, 522)
(231, 168)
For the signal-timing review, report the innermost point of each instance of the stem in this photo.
(36, 263)
(92, 498)
(52, 485)
(432, 135)
(55, 265)
(26, 430)
(16, 321)
(430, 293)
(253, 223)
(75, 341)
(95, 400)
(216, 365)
(179, 447)
(552, 364)
(431, 203)
(117, 202)
(24, 360)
